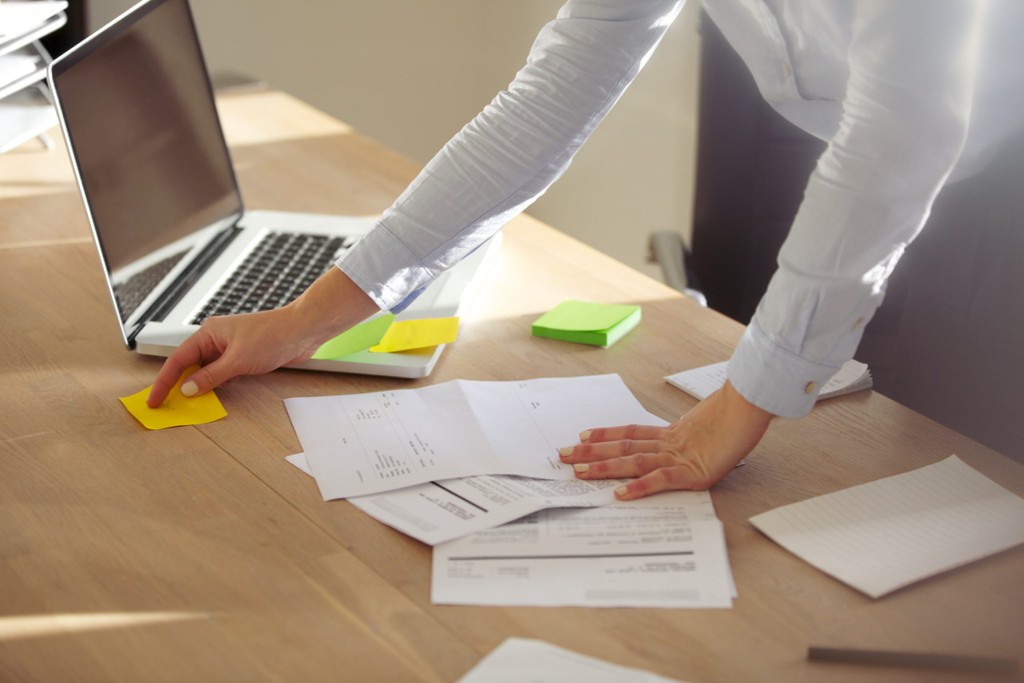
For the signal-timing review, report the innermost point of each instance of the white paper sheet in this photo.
(617, 556)
(887, 534)
(703, 381)
(520, 660)
(443, 511)
(367, 443)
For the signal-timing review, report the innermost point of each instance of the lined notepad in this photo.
(887, 534)
(703, 381)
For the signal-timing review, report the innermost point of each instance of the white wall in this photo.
(410, 73)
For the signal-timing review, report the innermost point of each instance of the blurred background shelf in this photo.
(26, 108)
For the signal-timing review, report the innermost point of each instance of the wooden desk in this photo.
(199, 554)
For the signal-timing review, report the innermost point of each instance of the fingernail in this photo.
(564, 452)
(585, 435)
(581, 467)
(189, 389)
(621, 491)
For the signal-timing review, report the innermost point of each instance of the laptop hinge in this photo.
(176, 291)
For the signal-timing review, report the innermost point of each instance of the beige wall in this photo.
(410, 73)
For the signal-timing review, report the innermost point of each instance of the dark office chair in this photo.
(667, 249)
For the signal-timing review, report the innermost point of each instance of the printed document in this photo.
(520, 660)
(887, 534)
(361, 444)
(445, 510)
(624, 555)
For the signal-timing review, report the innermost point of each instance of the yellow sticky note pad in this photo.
(407, 335)
(178, 410)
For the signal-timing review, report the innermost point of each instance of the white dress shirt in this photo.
(890, 86)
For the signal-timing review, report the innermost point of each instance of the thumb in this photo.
(664, 479)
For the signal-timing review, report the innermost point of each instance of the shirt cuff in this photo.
(773, 378)
(383, 267)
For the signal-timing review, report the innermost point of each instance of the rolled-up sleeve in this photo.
(905, 117)
(505, 158)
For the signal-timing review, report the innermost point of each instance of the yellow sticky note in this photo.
(177, 410)
(406, 335)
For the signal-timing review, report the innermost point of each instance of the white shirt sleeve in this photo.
(507, 156)
(905, 117)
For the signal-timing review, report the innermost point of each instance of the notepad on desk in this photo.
(703, 381)
(584, 322)
(887, 534)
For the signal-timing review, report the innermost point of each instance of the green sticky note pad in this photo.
(587, 323)
(358, 338)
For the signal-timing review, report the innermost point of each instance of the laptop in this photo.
(136, 107)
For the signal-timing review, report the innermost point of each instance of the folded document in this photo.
(361, 444)
(887, 534)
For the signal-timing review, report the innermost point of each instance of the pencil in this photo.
(913, 659)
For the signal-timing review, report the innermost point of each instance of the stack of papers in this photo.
(703, 381)
(25, 107)
(587, 323)
(440, 511)
(453, 464)
(18, 19)
(17, 66)
(887, 534)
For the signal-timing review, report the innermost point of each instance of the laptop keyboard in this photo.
(131, 292)
(280, 268)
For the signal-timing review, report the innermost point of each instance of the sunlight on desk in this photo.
(558, 275)
(35, 626)
(278, 121)
(30, 171)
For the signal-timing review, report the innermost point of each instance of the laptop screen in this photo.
(140, 121)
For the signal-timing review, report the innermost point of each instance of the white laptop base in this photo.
(447, 296)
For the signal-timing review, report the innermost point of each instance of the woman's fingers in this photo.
(635, 465)
(664, 479)
(612, 442)
(591, 452)
(622, 433)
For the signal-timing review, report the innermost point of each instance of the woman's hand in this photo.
(255, 343)
(694, 452)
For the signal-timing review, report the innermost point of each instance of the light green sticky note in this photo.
(409, 335)
(358, 338)
(587, 323)
(177, 409)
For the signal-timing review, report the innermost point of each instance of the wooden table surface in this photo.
(199, 554)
